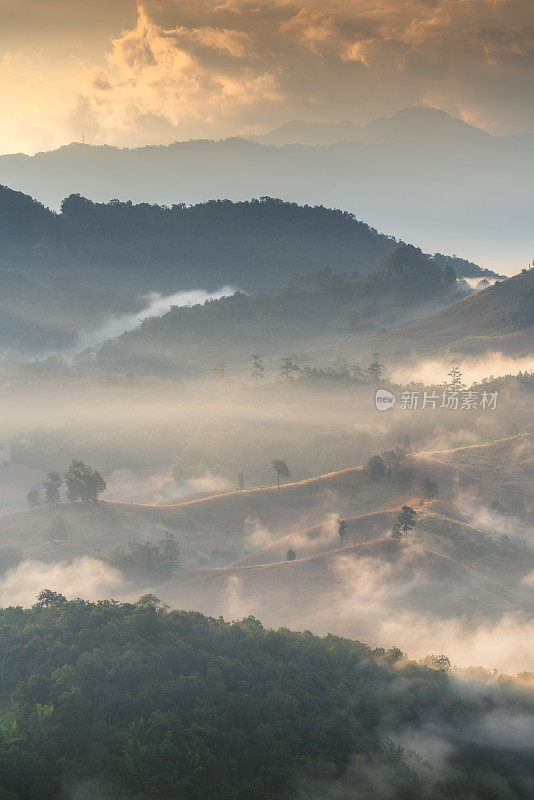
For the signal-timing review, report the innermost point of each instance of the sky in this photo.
(157, 71)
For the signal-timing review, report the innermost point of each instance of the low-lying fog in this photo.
(156, 441)
(157, 305)
(358, 607)
(474, 368)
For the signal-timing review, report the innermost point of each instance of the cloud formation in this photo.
(85, 577)
(212, 68)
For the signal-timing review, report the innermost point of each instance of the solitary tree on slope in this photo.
(429, 489)
(342, 530)
(281, 469)
(33, 499)
(406, 519)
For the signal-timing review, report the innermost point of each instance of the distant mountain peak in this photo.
(423, 123)
(409, 124)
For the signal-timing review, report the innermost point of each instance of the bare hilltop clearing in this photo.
(490, 322)
(468, 549)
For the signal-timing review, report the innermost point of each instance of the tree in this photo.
(83, 483)
(449, 275)
(143, 559)
(288, 368)
(147, 557)
(47, 598)
(375, 468)
(281, 469)
(396, 532)
(173, 683)
(342, 530)
(410, 273)
(258, 369)
(149, 602)
(374, 370)
(406, 519)
(52, 484)
(456, 382)
(437, 661)
(34, 498)
(170, 551)
(392, 459)
(429, 489)
(241, 480)
(291, 555)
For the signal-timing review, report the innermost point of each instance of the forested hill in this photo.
(427, 176)
(252, 245)
(110, 700)
(320, 307)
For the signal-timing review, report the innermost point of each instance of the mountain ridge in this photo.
(253, 244)
(439, 194)
(410, 124)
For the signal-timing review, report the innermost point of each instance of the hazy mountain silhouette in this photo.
(319, 308)
(312, 133)
(415, 125)
(250, 245)
(422, 175)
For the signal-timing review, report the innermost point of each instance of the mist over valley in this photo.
(267, 405)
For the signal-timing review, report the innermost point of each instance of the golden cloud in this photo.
(221, 67)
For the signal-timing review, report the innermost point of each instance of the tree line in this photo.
(82, 484)
(143, 559)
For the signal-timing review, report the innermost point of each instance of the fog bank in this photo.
(157, 305)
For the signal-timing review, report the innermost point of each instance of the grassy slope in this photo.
(225, 522)
(473, 324)
(506, 463)
(320, 588)
(446, 551)
(217, 521)
(469, 326)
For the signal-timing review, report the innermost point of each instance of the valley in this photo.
(469, 556)
(266, 400)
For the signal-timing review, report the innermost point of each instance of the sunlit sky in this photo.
(157, 71)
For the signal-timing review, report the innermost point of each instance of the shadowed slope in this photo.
(472, 325)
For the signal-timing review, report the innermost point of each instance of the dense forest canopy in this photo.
(309, 305)
(39, 316)
(434, 182)
(108, 699)
(251, 245)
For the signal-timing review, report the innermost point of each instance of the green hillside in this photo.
(115, 700)
(315, 308)
(478, 323)
(324, 317)
(252, 245)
